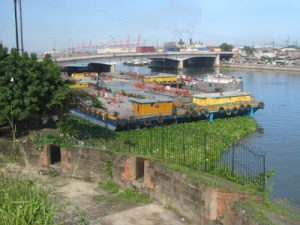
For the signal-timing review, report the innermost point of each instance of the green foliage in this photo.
(181, 42)
(201, 146)
(53, 138)
(23, 202)
(109, 186)
(257, 212)
(226, 47)
(270, 173)
(249, 50)
(284, 208)
(279, 208)
(79, 217)
(202, 140)
(108, 168)
(131, 195)
(82, 129)
(125, 195)
(30, 89)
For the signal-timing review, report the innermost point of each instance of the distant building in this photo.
(259, 55)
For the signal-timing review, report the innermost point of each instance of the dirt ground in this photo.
(76, 197)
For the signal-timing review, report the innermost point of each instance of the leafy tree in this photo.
(29, 89)
(226, 47)
(249, 50)
(181, 42)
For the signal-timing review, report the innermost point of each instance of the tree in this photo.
(249, 50)
(181, 42)
(29, 89)
(226, 47)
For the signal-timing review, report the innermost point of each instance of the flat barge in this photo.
(132, 101)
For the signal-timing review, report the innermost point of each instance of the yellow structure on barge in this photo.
(148, 106)
(161, 78)
(85, 74)
(79, 85)
(222, 98)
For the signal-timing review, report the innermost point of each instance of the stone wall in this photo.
(84, 163)
(199, 202)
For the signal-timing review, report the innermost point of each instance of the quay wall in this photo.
(201, 203)
(260, 67)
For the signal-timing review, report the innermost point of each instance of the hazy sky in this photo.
(72, 22)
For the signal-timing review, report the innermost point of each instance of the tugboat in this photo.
(213, 83)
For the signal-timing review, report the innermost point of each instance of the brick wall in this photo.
(197, 201)
(85, 163)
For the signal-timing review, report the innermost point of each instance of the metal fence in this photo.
(222, 155)
(199, 150)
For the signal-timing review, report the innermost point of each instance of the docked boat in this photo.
(133, 102)
(213, 83)
(138, 62)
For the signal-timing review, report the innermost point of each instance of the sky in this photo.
(73, 22)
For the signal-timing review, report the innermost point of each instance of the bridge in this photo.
(175, 60)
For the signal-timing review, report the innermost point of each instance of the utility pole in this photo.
(288, 41)
(16, 25)
(21, 26)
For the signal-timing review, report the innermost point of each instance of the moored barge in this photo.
(133, 102)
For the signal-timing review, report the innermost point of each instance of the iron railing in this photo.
(222, 155)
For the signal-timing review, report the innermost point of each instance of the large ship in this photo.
(213, 83)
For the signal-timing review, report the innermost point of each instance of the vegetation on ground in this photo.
(109, 186)
(126, 194)
(197, 145)
(23, 202)
(190, 144)
(284, 208)
(270, 211)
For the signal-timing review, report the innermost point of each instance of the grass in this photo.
(187, 143)
(109, 186)
(255, 211)
(203, 141)
(125, 195)
(22, 202)
(197, 145)
(279, 208)
(284, 208)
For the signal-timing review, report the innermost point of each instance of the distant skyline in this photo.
(70, 23)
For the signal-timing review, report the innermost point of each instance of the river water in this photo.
(278, 133)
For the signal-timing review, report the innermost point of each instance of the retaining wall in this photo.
(199, 202)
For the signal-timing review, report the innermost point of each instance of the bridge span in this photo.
(173, 60)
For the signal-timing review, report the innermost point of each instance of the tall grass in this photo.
(22, 202)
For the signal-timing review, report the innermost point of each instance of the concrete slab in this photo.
(151, 214)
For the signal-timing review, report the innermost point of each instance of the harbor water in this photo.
(278, 133)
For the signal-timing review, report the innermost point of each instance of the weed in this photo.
(131, 195)
(109, 186)
(24, 202)
(125, 195)
(108, 168)
(79, 218)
